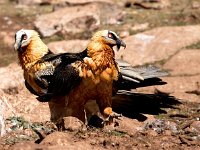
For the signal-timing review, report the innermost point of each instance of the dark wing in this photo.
(28, 86)
(43, 78)
(64, 79)
(68, 57)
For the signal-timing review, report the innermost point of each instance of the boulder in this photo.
(182, 87)
(71, 46)
(60, 2)
(185, 62)
(178, 84)
(158, 44)
(80, 2)
(11, 76)
(69, 20)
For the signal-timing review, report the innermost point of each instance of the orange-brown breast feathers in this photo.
(102, 56)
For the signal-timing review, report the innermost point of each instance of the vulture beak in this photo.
(120, 43)
(17, 45)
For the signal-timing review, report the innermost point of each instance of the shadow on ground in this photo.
(134, 105)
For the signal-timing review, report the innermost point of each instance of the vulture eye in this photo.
(24, 37)
(110, 35)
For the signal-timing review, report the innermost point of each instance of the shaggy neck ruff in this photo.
(102, 54)
(33, 52)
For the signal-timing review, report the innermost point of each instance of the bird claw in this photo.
(109, 119)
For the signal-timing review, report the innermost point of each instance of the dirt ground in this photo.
(154, 120)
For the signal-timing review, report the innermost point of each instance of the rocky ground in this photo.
(160, 32)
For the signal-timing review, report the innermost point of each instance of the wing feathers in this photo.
(64, 79)
(139, 73)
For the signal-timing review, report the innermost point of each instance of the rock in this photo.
(80, 2)
(124, 34)
(26, 146)
(160, 126)
(11, 76)
(2, 2)
(2, 119)
(70, 20)
(186, 97)
(77, 21)
(196, 125)
(195, 4)
(179, 84)
(71, 46)
(58, 146)
(150, 4)
(186, 62)
(7, 37)
(180, 87)
(72, 124)
(140, 27)
(16, 99)
(57, 138)
(60, 2)
(29, 2)
(64, 140)
(158, 44)
(24, 104)
(125, 124)
(152, 133)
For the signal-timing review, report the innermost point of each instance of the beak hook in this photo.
(120, 43)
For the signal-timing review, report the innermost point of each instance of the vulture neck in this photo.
(102, 54)
(35, 50)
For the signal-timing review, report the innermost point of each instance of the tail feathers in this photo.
(124, 77)
(139, 73)
(149, 71)
(129, 72)
(134, 77)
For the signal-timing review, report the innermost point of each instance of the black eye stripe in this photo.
(15, 37)
(24, 37)
(112, 36)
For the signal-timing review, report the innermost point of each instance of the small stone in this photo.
(72, 124)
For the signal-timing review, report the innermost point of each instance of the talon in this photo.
(109, 119)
